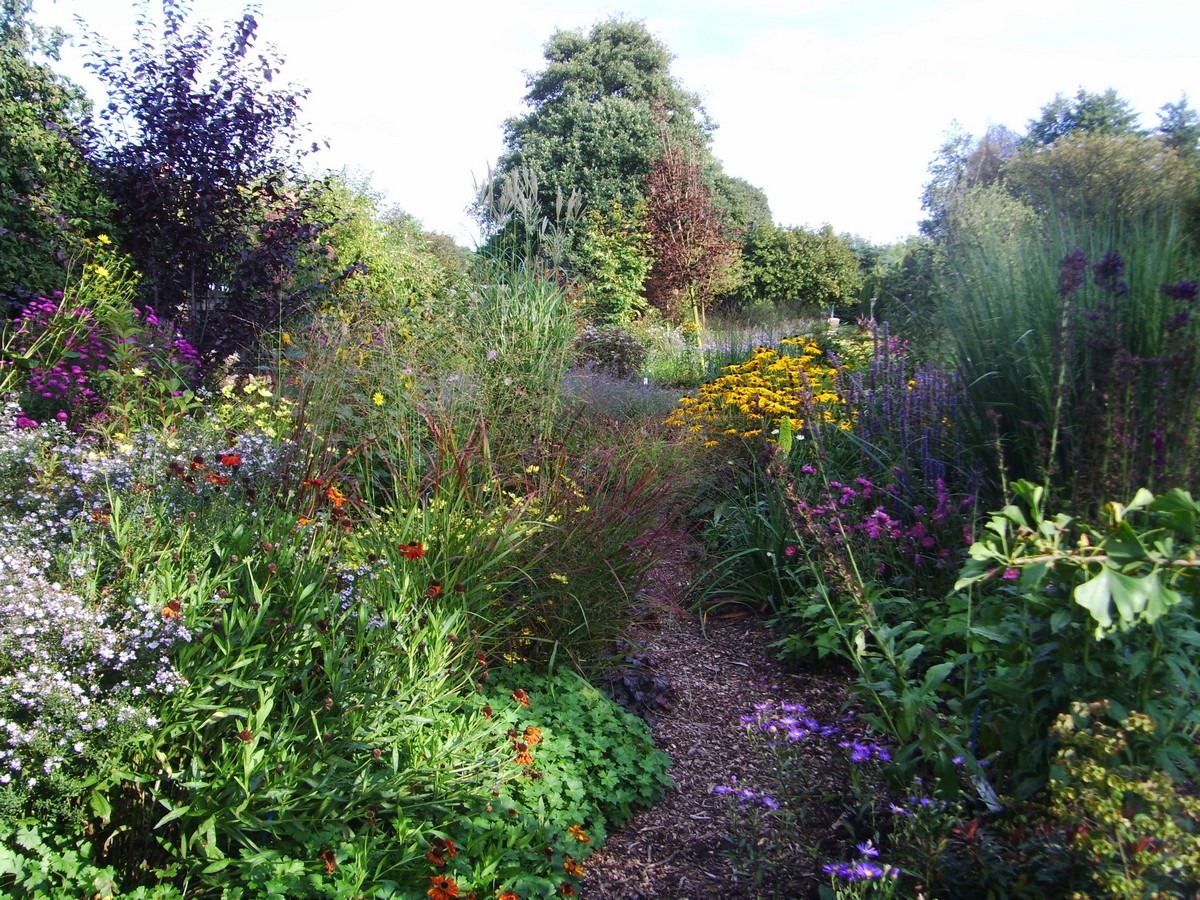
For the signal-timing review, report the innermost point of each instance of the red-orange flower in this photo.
(434, 589)
(577, 832)
(197, 463)
(330, 859)
(230, 459)
(312, 482)
(442, 849)
(533, 736)
(567, 890)
(444, 887)
(508, 895)
(521, 697)
(172, 610)
(336, 497)
(413, 550)
(214, 478)
(524, 758)
(572, 868)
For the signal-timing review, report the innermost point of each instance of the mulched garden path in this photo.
(718, 669)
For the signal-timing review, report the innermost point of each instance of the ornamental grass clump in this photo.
(1081, 349)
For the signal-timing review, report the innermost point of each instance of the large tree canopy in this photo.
(1083, 159)
(1105, 113)
(596, 122)
(47, 198)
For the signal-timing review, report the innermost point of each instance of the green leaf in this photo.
(173, 815)
(936, 675)
(1137, 599)
(1123, 545)
(1095, 595)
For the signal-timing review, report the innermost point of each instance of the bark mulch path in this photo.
(679, 848)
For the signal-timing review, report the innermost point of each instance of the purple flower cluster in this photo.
(897, 536)
(746, 797)
(62, 377)
(862, 869)
(71, 351)
(861, 752)
(793, 724)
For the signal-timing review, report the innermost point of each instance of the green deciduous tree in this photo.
(805, 271)
(48, 200)
(614, 262)
(1105, 113)
(1097, 176)
(1179, 127)
(743, 205)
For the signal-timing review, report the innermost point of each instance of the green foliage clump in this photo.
(614, 262)
(48, 200)
(597, 762)
(612, 350)
(1135, 827)
(803, 271)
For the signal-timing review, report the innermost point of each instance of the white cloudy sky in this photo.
(833, 107)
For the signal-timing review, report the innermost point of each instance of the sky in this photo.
(834, 108)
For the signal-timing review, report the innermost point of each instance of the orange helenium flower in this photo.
(577, 832)
(336, 497)
(521, 697)
(533, 736)
(572, 868)
(413, 550)
(443, 849)
(444, 887)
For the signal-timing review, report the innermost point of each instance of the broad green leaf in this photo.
(173, 815)
(1123, 545)
(1095, 595)
(936, 675)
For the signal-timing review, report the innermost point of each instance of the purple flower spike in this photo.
(1070, 273)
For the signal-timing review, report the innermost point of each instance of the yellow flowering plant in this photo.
(797, 383)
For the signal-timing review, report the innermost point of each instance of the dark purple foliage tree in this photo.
(197, 148)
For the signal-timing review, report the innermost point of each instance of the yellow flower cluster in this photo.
(251, 399)
(753, 397)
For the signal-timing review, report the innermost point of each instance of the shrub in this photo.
(610, 349)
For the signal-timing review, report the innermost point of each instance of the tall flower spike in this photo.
(1070, 273)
